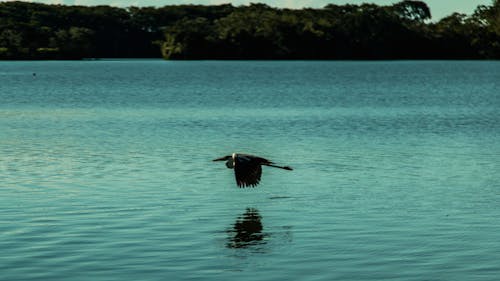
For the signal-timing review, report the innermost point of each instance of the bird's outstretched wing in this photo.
(247, 171)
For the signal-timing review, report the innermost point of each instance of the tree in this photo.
(75, 42)
(412, 10)
(188, 39)
(486, 37)
(256, 31)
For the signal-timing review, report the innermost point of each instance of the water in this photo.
(106, 172)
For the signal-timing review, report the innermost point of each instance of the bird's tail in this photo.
(281, 167)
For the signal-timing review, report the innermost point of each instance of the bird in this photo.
(248, 168)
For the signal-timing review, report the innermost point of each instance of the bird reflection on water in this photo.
(247, 230)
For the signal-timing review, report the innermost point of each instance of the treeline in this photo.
(257, 31)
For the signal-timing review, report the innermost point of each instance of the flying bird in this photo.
(248, 168)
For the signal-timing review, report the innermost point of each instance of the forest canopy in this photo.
(400, 31)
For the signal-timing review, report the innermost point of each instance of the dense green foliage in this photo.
(257, 31)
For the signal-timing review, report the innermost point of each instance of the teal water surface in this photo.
(106, 171)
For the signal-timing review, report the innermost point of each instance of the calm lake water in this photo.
(106, 171)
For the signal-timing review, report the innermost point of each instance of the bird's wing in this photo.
(255, 158)
(247, 171)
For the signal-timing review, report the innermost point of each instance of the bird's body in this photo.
(247, 168)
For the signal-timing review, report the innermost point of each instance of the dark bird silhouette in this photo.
(248, 168)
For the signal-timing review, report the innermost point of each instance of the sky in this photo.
(439, 8)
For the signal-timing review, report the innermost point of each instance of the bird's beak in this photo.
(220, 159)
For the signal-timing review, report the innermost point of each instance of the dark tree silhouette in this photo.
(400, 31)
